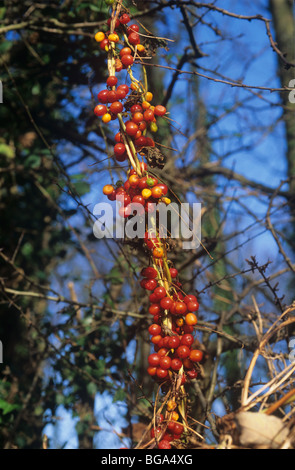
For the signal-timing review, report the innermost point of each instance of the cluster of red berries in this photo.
(133, 103)
(146, 191)
(173, 348)
(167, 430)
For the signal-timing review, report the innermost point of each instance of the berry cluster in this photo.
(173, 361)
(172, 340)
(146, 191)
(121, 101)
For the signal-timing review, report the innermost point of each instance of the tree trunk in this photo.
(283, 22)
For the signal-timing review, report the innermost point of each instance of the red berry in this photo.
(140, 142)
(112, 96)
(187, 340)
(159, 110)
(138, 199)
(196, 355)
(160, 292)
(174, 342)
(133, 38)
(192, 374)
(117, 23)
(131, 128)
(164, 444)
(149, 272)
(176, 364)
(154, 309)
(166, 303)
(173, 271)
(142, 182)
(171, 426)
(116, 107)
(148, 115)
(152, 370)
(103, 96)
(156, 431)
(165, 362)
(100, 110)
(154, 329)
(112, 80)
(193, 306)
(103, 44)
(189, 298)
(119, 149)
(136, 108)
(183, 352)
(162, 373)
(123, 87)
(127, 60)
(125, 50)
(178, 428)
(124, 19)
(119, 138)
(133, 28)
(154, 359)
(148, 284)
(162, 352)
(180, 308)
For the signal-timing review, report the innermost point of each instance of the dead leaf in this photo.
(260, 430)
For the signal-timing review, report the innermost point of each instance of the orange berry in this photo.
(100, 36)
(149, 96)
(134, 87)
(106, 118)
(196, 355)
(157, 192)
(158, 252)
(133, 180)
(145, 104)
(140, 48)
(191, 319)
(107, 189)
(179, 321)
(113, 37)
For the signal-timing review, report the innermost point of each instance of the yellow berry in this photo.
(145, 104)
(171, 405)
(174, 416)
(166, 200)
(146, 193)
(153, 127)
(140, 48)
(106, 118)
(100, 36)
(149, 96)
(113, 37)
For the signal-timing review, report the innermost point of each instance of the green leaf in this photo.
(7, 150)
(91, 388)
(27, 249)
(7, 407)
(33, 161)
(120, 395)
